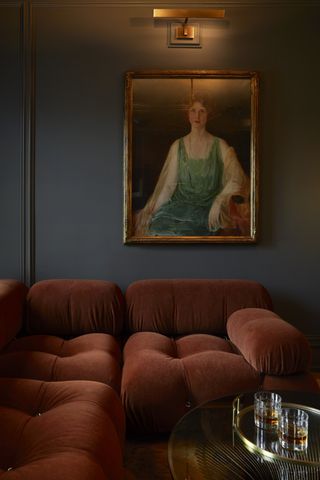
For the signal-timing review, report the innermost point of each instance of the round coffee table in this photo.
(205, 446)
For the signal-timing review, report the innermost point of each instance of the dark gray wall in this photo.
(10, 142)
(82, 53)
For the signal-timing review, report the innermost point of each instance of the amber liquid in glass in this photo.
(267, 418)
(294, 437)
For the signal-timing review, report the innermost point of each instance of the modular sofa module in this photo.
(60, 368)
(191, 341)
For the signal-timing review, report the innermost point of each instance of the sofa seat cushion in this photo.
(164, 377)
(303, 382)
(60, 430)
(94, 356)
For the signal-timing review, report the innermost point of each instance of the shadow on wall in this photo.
(300, 316)
(293, 312)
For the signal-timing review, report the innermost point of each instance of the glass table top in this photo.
(204, 445)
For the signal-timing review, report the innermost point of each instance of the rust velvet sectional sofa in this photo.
(81, 362)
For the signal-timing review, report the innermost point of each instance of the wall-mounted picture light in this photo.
(181, 33)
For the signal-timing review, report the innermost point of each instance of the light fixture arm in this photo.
(185, 23)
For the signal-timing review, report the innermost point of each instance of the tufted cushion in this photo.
(181, 307)
(12, 296)
(270, 344)
(94, 356)
(74, 307)
(164, 377)
(78, 436)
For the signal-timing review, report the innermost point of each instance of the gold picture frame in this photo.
(191, 156)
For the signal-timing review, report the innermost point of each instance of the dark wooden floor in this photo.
(147, 459)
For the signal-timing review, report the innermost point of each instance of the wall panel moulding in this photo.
(175, 4)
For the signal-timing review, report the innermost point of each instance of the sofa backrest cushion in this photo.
(74, 307)
(180, 307)
(12, 297)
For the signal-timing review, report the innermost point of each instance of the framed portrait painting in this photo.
(190, 157)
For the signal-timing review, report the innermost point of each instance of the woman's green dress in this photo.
(199, 182)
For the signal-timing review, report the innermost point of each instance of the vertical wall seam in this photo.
(27, 46)
(22, 142)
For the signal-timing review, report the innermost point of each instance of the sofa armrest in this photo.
(12, 298)
(270, 344)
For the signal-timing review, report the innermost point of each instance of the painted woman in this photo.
(202, 189)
